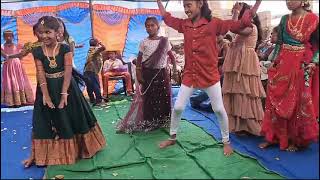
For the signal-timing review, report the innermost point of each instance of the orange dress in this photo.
(242, 88)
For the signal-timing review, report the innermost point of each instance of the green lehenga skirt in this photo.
(62, 136)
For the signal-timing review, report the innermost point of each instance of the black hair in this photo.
(206, 11)
(66, 35)
(276, 29)
(49, 22)
(228, 37)
(153, 19)
(93, 42)
(314, 38)
(35, 28)
(307, 6)
(256, 21)
(8, 32)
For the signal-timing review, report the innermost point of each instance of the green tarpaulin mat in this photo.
(197, 155)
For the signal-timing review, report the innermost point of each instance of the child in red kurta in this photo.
(201, 60)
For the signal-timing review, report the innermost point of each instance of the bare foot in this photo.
(28, 162)
(167, 143)
(227, 149)
(292, 148)
(265, 145)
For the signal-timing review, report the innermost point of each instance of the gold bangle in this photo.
(43, 84)
(64, 94)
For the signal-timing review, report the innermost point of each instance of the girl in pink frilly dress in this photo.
(15, 86)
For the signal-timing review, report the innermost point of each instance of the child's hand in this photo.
(176, 76)
(63, 101)
(237, 8)
(47, 101)
(255, 8)
(80, 45)
(139, 77)
(311, 68)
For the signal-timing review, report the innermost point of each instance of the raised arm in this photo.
(235, 16)
(173, 22)
(27, 48)
(223, 26)
(161, 8)
(19, 55)
(101, 48)
(79, 45)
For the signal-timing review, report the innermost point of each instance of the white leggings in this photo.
(215, 95)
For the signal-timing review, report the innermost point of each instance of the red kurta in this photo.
(200, 47)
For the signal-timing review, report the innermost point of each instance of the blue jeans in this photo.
(93, 87)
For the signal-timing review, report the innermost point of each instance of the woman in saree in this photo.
(151, 106)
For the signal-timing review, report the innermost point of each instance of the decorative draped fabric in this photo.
(32, 19)
(111, 17)
(110, 25)
(74, 15)
(6, 20)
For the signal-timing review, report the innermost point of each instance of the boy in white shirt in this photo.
(114, 67)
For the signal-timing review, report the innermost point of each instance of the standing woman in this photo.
(151, 107)
(242, 88)
(289, 118)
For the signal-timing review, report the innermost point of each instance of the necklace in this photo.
(295, 29)
(53, 62)
(297, 23)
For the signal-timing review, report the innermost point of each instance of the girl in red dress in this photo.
(289, 117)
(201, 65)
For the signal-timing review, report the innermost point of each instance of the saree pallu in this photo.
(289, 116)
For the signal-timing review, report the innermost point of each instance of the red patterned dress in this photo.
(289, 117)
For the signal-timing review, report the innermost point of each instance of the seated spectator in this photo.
(115, 67)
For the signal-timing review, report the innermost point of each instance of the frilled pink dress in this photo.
(242, 88)
(15, 85)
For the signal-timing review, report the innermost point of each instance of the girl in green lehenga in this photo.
(64, 127)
